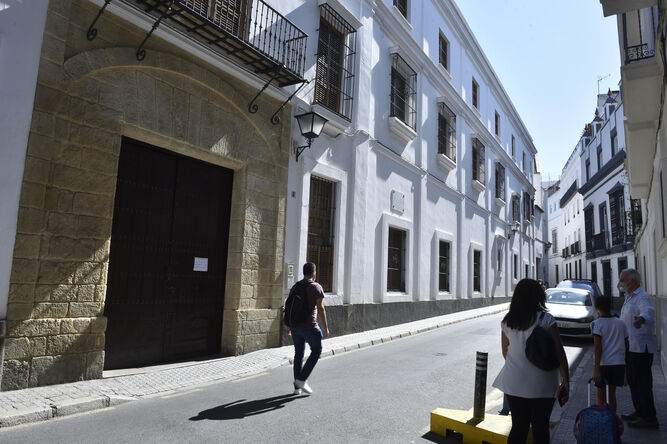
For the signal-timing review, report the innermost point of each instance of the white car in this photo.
(573, 310)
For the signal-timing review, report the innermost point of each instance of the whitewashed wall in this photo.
(369, 161)
(21, 28)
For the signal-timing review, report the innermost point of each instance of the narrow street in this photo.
(379, 394)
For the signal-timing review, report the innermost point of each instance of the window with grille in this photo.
(444, 52)
(321, 212)
(403, 92)
(334, 74)
(443, 266)
(446, 132)
(554, 241)
(402, 6)
(499, 258)
(526, 206)
(231, 15)
(396, 260)
(617, 216)
(516, 216)
(475, 94)
(477, 160)
(477, 270)
(497, 124)
(500, 181)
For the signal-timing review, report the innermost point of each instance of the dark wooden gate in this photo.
(168, 258)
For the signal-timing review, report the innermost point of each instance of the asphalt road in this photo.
(377, 394)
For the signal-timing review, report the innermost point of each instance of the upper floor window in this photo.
(446, 131)
(523, 163)
(554, 241)
(334, 76)
(516, 216)
(402, 6)
(497, 124)
(477, 160)
(403, 91)
(599, 157)
(513, 147)
(614, 143)
(475, 94)
(526, 206)
(444, 52)
(500, 181)
(588, 169)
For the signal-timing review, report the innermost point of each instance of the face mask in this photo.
(621, 287)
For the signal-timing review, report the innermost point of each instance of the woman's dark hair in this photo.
(529, 297)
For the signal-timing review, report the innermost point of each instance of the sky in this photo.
(549, 56)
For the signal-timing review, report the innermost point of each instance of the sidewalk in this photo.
(42, 403)
(579, 400)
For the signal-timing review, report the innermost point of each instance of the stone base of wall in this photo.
(355, 318)
(49, 351)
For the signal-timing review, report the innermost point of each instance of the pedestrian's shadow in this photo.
(242, 408)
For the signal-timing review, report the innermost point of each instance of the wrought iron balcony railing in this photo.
(600, 241)
(639, 34)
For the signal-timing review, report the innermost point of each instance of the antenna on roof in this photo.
(601, 79)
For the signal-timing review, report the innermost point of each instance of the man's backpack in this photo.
(297, 309)
(540, 347)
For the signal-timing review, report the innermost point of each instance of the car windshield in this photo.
(568, 297)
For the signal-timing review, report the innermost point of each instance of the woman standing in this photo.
(530, 390)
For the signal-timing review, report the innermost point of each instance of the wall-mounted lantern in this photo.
(310, 125)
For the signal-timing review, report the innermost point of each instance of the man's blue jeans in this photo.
(301, 335)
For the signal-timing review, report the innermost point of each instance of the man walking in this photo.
(308, 331)
(638, 314)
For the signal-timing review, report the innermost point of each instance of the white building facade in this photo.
(418, 198)
(554, 232)
(608, 223)
(641, 40)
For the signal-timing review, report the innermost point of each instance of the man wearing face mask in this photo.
(638, 314)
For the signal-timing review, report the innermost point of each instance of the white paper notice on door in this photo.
(201, 264)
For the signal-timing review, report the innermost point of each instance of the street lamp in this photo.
(310, 125)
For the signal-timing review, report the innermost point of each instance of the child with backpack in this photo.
(610, 338)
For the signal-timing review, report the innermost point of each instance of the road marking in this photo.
(55, 418)
(180, 394)
(251, 376)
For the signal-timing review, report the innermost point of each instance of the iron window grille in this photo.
(321, 213)
(516, 215)
(403, 92)
(478, 161)
(443, 266)
(396, 260)
(475, 94)
(477, 269)
(336, 52)
(500, 181)
(402, 6)
(446, 132)
(617, 216)
(443, 52)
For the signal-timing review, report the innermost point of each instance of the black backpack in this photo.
(297, 309)
(541, 349)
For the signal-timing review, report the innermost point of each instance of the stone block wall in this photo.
(90, 95)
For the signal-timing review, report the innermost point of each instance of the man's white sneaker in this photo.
(303, 385)
(297, 390)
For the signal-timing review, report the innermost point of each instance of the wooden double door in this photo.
(168, 257)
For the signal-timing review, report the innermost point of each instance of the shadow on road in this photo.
(242, 408)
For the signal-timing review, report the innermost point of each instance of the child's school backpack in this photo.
(597, 424)
(297, 310)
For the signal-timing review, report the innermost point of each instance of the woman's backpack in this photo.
(540, 347)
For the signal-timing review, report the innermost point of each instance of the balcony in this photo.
(251, 31)
(614, 7)
(641, 76)
(600, 241)
(574, 248)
